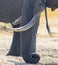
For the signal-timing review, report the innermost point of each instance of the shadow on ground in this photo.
(17, 63)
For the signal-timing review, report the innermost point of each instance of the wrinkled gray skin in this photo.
(24, 43)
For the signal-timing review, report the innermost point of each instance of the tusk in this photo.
(27, 26)
(17, 21)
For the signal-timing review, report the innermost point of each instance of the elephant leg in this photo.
(28, 40)
(15, 46)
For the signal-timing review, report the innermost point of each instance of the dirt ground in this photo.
(47, 46)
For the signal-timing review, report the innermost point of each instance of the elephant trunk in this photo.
(31, 58)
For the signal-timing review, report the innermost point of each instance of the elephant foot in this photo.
(32, 59)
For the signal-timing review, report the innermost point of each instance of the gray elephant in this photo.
(27, 13)
(29, 19)
(10, 11)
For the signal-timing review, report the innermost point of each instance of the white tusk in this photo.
(27, 26)
(17, 21)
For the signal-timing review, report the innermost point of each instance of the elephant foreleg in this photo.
(15, 46)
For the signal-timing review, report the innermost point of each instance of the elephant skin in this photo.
(23, 43)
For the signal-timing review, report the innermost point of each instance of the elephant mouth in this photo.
(27, 26)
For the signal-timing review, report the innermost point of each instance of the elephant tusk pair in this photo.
(27, 26)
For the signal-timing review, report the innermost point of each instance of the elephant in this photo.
(9, 12)
(26, 15)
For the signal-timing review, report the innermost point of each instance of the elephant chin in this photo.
(33, 58)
